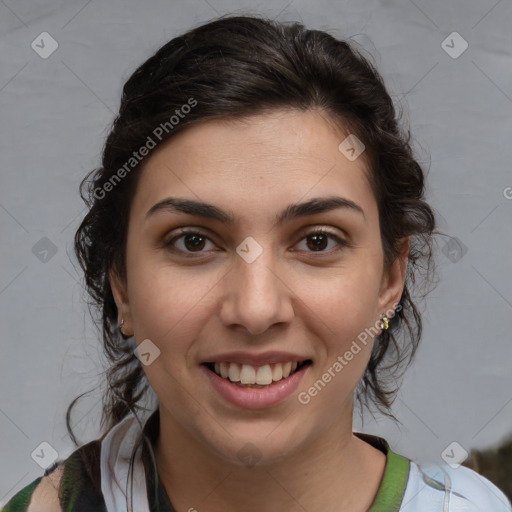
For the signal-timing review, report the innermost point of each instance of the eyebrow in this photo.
(292, 211)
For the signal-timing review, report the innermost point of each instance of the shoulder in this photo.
(75, 481)
(45, 497)
(456, 489)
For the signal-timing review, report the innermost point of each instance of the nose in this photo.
(256, 295)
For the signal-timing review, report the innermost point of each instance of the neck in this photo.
(337, 471)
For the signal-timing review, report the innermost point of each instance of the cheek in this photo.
(154, 290)
(347, 301)
(344, 349)
(347, 304)
(165, 305)
(167, 302)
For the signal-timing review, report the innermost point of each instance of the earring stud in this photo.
(384, 322)
(121, 325)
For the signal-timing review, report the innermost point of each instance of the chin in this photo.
(256, 445)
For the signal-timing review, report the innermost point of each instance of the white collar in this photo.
(116, 452)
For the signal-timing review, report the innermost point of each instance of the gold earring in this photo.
(384, 322)
(121, 325)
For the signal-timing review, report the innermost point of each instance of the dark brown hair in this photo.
(238, 66)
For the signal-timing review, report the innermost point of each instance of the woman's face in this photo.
(259, 291)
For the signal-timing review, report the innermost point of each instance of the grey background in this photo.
(54, 117)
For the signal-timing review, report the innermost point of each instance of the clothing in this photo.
(405, 487)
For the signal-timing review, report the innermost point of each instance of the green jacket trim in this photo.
(20, 501)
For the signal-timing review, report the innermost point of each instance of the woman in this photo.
(252, 239)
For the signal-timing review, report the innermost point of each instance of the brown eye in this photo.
(190, 241)
(194, 241)
(318, 241)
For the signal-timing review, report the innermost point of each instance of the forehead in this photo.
(255, 163)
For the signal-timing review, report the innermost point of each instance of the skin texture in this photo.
(291, 298)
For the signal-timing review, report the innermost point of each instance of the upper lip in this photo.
(270, 357)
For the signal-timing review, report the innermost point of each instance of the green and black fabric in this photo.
(392, 488)
(81, 488)
(20, 501)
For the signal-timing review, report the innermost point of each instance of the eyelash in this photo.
(183, 232)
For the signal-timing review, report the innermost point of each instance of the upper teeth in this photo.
(247, 374)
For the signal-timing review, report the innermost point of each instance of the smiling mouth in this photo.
(248, 376)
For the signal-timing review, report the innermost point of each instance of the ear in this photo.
(119, 291)
(393, 280)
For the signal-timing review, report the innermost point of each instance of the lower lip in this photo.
(255, 398)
